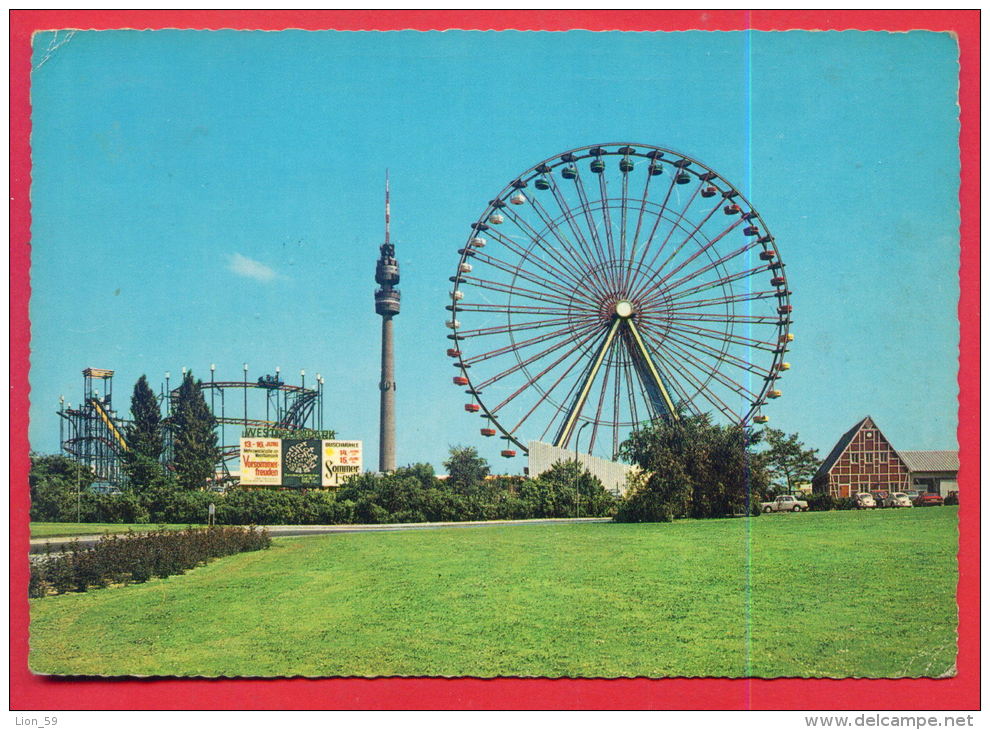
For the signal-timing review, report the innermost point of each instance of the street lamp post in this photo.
(577, 471)
(319, 401)
(302, 374)
(245, 394)
(78, 497)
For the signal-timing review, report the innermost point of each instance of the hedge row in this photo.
(136, 557)
(406, 496)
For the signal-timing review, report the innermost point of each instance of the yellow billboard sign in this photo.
(341, 459)
(261, 462)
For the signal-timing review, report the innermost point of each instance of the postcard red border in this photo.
(29, 692)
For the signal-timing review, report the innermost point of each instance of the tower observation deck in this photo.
(387, 304)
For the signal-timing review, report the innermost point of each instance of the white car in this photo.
(864, 500)
(784, 503)
(899, 499)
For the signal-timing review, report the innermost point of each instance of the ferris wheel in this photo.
(612, 285)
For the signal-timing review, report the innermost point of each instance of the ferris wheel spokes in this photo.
(518, 346)
(520, 273)
(503, 288)
(546, 394)
(674, 224)
(593, 229)
(657, 284)
(546, 219)
(701, 390)
(728, 279)
(606, 376)
(587, 333)
(567, 215)
(603, 189)
(572, 274)
(693, 358)
(719, 335)
(677, 335)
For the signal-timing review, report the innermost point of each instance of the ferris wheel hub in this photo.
(623, 309)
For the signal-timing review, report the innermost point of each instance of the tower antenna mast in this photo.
(387, 302)
(388, 209)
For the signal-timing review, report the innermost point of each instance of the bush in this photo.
(116, 508)
(645, 506)
(845, 503)
(820, 502)
(181, 507)
(369, 513)
(136, 557)
(660, 496)
(566, 489)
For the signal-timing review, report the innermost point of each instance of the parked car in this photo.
(900, 499)
(929, 499)
(864, 500)
(882, 498)
(784, 503)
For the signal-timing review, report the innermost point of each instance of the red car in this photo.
(928, 500)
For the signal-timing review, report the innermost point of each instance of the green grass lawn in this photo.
(68, 529)
(817, 594)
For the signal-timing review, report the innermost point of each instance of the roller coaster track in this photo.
(72, 446)
(303, 401)
(111, 426)
(299, 411)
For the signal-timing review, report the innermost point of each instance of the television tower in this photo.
(387, 300)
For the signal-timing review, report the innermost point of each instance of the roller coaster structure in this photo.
(96, 435)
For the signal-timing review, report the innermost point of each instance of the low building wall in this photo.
(611, 473)
(940, 482)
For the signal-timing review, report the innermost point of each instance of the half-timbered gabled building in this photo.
(862, 461)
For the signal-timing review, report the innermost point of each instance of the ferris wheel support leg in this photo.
(564, 435)
(650, 374)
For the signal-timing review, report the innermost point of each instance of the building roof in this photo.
(837, 450)
(930, 460)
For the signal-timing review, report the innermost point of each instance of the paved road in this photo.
(38, 544)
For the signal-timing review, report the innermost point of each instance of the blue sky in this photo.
(216, 197)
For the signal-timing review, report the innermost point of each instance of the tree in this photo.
(466, 470)
(145, 438)
(194, 437)
(787, 460)
(55, 482)
(691, 467)
(55, 468)
(422, 472)
(567, 489)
